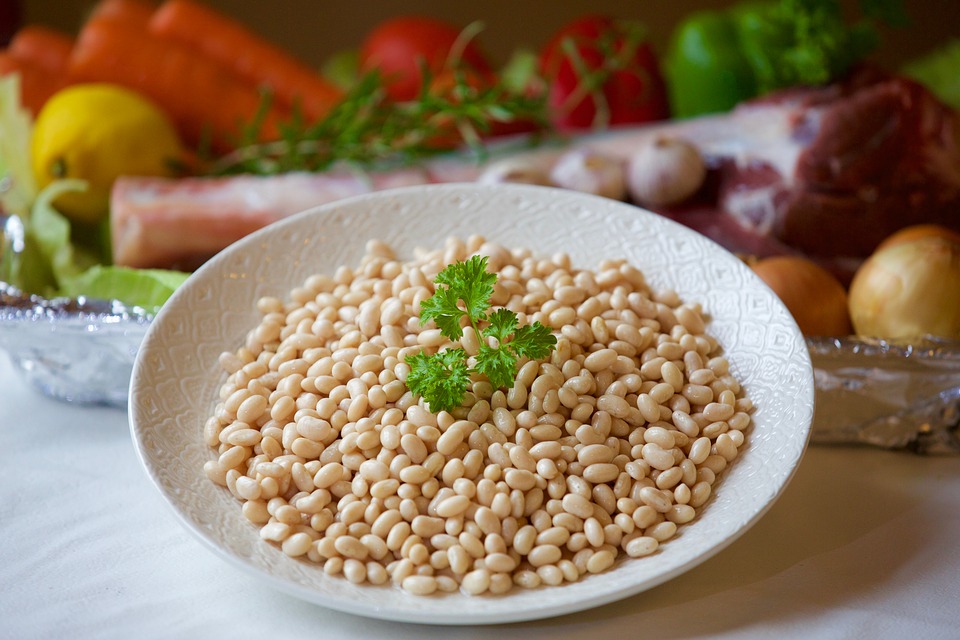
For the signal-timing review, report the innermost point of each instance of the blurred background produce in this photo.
(313, 31)
(196, 70)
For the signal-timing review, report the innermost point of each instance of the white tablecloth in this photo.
(863, 544)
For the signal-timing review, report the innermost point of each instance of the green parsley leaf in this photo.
(443, 309)
(441, 379)
(498, 365)
(503, 322)
(419, 380)
(533, 341)
(472, 283)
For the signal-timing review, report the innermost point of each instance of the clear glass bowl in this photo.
(76, 350)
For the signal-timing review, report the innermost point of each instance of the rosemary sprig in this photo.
(368, 129)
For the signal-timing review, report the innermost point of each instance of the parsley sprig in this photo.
(464, 290)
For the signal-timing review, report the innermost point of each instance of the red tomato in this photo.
(633, 87)
(399, 46)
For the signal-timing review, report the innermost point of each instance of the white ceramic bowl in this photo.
(176, 376)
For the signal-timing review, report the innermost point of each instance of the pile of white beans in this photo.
(599, 451)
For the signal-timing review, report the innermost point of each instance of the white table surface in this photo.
(863, 544)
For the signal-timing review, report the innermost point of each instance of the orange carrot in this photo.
(47, 48)
(200, 95)
(134, 13)
(249, 55)
(36, 83)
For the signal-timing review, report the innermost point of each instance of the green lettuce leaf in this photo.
(17, 187)
(146, 288)
(50, 231)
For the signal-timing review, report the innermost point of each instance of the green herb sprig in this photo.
(367, 129)
(464, 291)
(797, 42)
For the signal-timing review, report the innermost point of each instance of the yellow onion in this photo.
(908, 289)
(814, 297)
(913, 232)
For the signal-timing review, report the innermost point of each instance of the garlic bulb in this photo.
(665, 171)
(590, 172)
(517, 170)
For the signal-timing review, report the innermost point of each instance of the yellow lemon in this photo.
(97, 132)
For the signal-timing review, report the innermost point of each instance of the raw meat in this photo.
(877, 153)
(180, 223)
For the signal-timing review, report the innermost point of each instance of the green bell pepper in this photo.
(706, 68)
